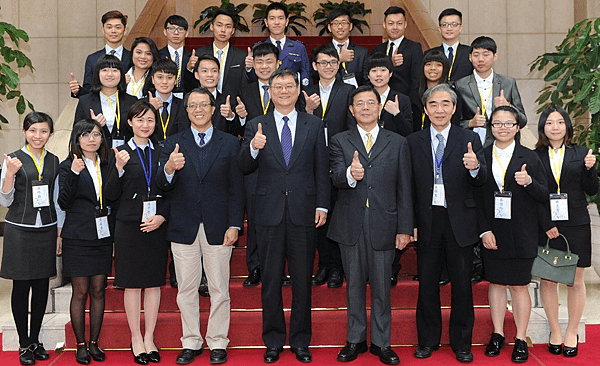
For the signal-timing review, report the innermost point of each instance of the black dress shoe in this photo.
(39, 352)
(335, 278)
(154, 356)
(203, 289)
(82, 356)
(520, 352)
(173, 281)
(555, 349)
(477, 277)
(26, 356)
(253, 278)
(497, 342)
(285, 280)
(321, 277)
(464, 356)
(351, 351)
(187, 356)
(394, 281)
(272, 354)
(386, 354)
(571, 351)
(140, 359)
(302, 354)
(425, 352)
(218, 356)
(96, 352)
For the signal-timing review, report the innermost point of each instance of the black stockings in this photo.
(93, 285)
(20, 305)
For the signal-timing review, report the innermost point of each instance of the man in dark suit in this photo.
(176, 30)
(292, 198)
(231, 59)
(448, 165)
(352, 57)
(328, 100)
(114, 27)
(406, 55)
(372, 217)
(199, 166)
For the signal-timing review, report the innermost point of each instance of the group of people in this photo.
(384, 150)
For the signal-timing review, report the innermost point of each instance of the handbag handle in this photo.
(546, 249)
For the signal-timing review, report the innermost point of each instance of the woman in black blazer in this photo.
(108, 101)
(87, 232)
(572, 166)
(141, 246)
(510, 229)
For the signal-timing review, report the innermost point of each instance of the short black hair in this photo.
(379, 59)
(114, 14)
(265, 48)
(284, 71)
(326, 49)
(37, 117)
(277, 6)
(150, 43)
(543, 141)
(484, 42)
(177, 20)
(394, 10)
(363, 89)
(338, 12)
(206, 57)
(449, 11)
(165, 65)
(200, 90)
(108, 61)
(222, 12)
(510, 109)
(82, 126)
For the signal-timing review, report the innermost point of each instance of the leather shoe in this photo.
(140, 359)
(26, 356)
(386, 354)
(96, 352)
(82, 356)
(154, 356)
(351, 351)
(187, 356)
(285, 280)
(203, 289)
(416, 278)
(39, 352)
(497, 342)
(520, 352)
(218, 356)
(555, 349)
(335, 278)
(253, 278)
(173, 281)
(425, 352)
(302, 354)
(477, 277)
(394, 280)
(464, 356)
(272, 354)
(321, 277)
(571, 351)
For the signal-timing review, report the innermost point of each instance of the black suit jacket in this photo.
(303, 185)
(90, 62)
(92, 101)
(462, 66)
(164, 53)
(337, 115)
(459, 185)
(178, 120)
(402, 123)
(357, 65)
(405, 78)
(213, 195)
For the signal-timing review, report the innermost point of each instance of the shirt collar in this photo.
(510, 149)
(337, 44)
(118, 50)
(328, 88)
(283, 40)
(169, 99)
(131, 144)
(397, 43)
(445, 132)
(446, 46)
(172, 50)
(487, 80)
(384, 95)
(279, 116)
(207, 134)
(363, 134)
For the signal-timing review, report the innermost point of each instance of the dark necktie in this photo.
(278, 44)
(391, 51)
(178, 68)
(112, 52)
(286, 140)
(202, 151)
(202, 134)
(266, 97)
(165, 112)
(450, 55)
(439, 155)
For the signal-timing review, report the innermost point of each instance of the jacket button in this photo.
(369, 166)
(370, 187)
(287, 173)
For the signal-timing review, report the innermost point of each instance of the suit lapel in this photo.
(189, 143)
(569, 155)
(453, 139)
(299, 139)
(213, 148)
(515, 164)
(334, 90)
(475, 91)
(383, 139)
(270, 130)
(425, 136)
(358, 143)
(497, 85)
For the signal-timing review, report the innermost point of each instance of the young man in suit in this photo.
(114, 27)
(199, 166)
(352, 57)
(292, 199)
(450, 26)
(231, 74)
(370, 166)
(176, 30)
(448, 166)
(328, 100)
(406, 55)
(484, 90)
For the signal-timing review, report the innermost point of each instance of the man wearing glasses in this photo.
(292, 199)
(176, 30)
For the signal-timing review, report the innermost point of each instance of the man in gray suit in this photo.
(484, 90)
(373, 216)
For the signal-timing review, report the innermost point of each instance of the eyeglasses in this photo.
(330, 63)
(90, 135)
(451, 25)
(369, 103)
(193, 106)
(279, 87)
(507, 124)
(175, 29)
(343, 23)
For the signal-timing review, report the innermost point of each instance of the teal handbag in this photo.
(555, 265)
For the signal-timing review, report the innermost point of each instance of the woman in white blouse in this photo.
(143, 54)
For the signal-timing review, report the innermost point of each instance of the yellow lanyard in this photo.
(164, 125)
(135, 91)
(324, 106)
(501, 167)
(38, 166)
(220, 58)
(117, 111)
(557, 170)
(262, 102)
(452, 64)
(422, 120)
(97, 164)
(484, 106)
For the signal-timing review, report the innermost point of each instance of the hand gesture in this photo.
(226, 110)
(58, 246)
(320, 218)
(312, 102)
(590, 159)
(240, 108)
(152, 223)
(478, 120)
(470, 158)
(249, 60)
(552, 233)
(402, 241)
(127, 79)
(77, 165)
(121, 158)
(397, 58)
(489, 241)
(500, 100)
(356, 169)
(99, 118)
(521, 177)
(155, 101)
(392, 108)
(12, 165)
(74, 84)
(346, 55)
(259, 141)
(231, 236)
(176, 161)
(192, 61)
(415, 236)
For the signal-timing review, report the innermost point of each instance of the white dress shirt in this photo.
(363, 136)
(499, 169)
(118, 51)
(485, 90)
(109, 111)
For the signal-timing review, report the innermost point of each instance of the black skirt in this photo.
(507, 271)
(28, 253)
(580, 242)
(140, 258)
(85, 258)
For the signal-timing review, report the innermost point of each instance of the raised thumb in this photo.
(249, 51)
(469, 147)
(228, 100)
(259, 128)
(590, 152)
(193, 53)
(524, 168)
(115, 150)
(355, 158)
(73, 77)
(238, 100)
(478, 111)
(176, 149)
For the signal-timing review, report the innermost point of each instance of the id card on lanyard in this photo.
(559, 202)
(502, 199)
(116, 142)
(149, 207)
(102, 228)
(439, 193)
(40, 191)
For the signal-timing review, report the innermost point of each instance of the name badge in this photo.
(559, 206)
(326, 138)
(117, 143)
(41, 194)
(502, 205)
(439, 195)
(102, 227)
(149, 210)
(350, 79)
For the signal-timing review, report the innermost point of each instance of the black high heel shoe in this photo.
(141, 359)
(554, 348)
(82, 355)
(96, 352)
(571, 351)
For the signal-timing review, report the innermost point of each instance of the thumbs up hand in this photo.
(312, 102)
(356, 169)
(176, 161)
(127, 79)
(98, 117)
(226, 110)
(521, 177)
(12, 165)
(470, 158)
(249, 60)
(240, 108)
(590, 159)
(74, 84)
(155, 101)
(346, 55)
(259, 141)
(121, 159)
(397, 58)
(500, 100)
(77, 165)
(192, 61)
(392, 108)
(478, 120)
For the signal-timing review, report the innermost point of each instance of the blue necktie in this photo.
(202, 134)
(266, 97)
(450, 55)
(112, 52)
(439, 155)
(278, 44)
(286, 140)
(202, 151)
